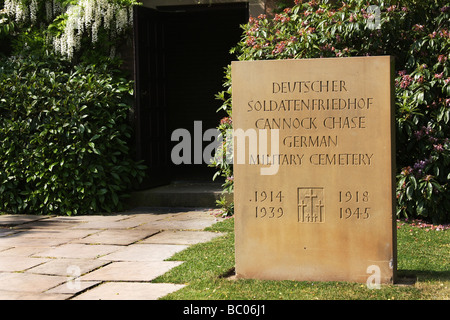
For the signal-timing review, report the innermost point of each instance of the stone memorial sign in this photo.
(314, 169)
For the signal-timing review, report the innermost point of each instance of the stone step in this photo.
(179, 194)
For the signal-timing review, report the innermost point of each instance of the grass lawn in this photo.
(423, 259)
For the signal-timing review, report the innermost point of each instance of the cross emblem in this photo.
(311, 207)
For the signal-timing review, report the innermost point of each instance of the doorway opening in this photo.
(180, 57)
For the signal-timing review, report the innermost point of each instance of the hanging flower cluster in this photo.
(79, 19)
(16, 10)
(27, 10)
(88, 16)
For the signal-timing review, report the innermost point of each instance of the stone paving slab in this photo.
(47, 224)
(22, 251)
(10, 295)
(27, 282)
(67, 267)
(91, 218)
(181, 237)
(144, 218)
(72, 287)
(68, 234)
(179, 224)
(74, 219)
(117, 237)
(144, 252)
(79, 250)
(129, 291)
(17, 241)
(2, 248)
(7, 231)
(193, 214)
(17, 264)
(121, 224)
(13, 220)
(135, 271)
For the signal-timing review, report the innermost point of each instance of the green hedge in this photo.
(63, 139)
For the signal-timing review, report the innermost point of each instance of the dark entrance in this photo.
(180, 56)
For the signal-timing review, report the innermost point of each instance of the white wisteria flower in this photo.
(85, 18)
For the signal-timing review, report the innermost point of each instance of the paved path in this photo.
(96, 257)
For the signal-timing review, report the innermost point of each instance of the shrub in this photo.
(417, 34)
(63, 138)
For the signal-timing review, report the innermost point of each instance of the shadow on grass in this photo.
(410, 277)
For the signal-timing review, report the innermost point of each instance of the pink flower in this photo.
(391, 8)
(281, 18)
(444, 33)
(279, 47)
(251, 41)
(407, 171)
(442, 58)
(439, 75)
(226, 120)
(438, 147)
(292, 39)
(406, 80)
